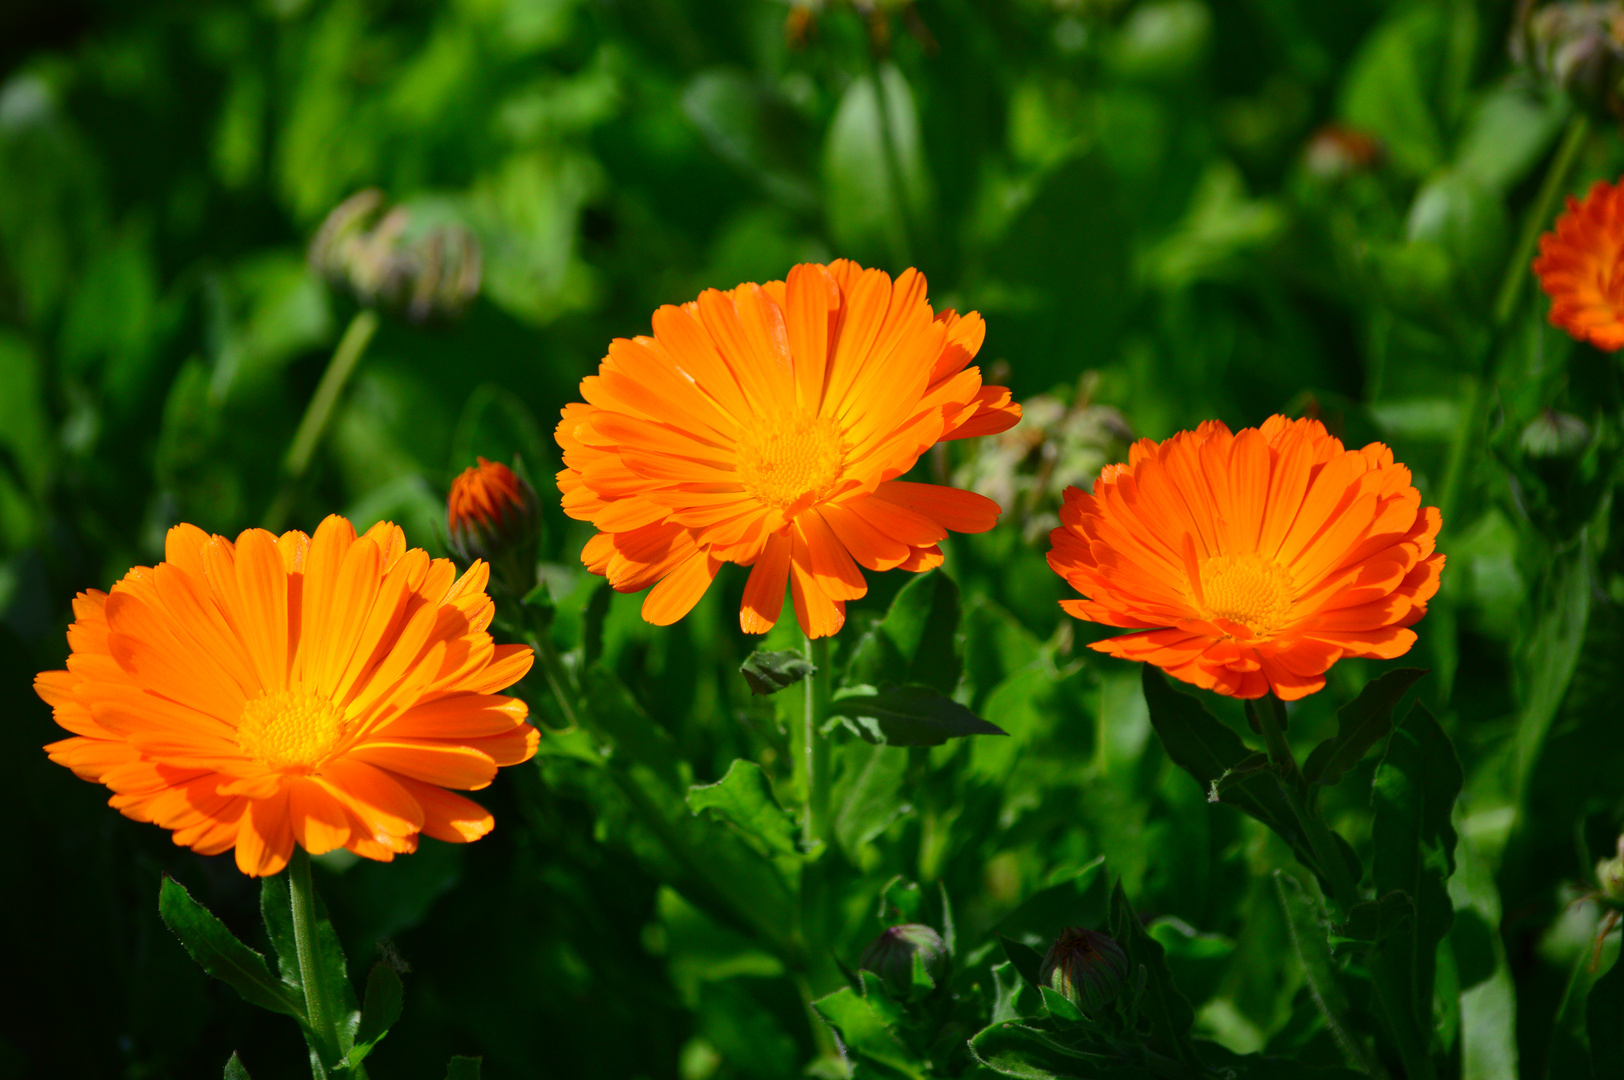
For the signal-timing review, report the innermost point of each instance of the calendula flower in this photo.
(1578, 266)
(324, 691)
(765, 426)
(1252, 562)
(490, 511)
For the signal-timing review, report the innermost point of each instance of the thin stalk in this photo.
(318, 1010)
(1406, 1034)
(351, 347)
(813, 752)
(812, 765)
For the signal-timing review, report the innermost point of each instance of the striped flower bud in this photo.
(891, 957)
(1087, 968)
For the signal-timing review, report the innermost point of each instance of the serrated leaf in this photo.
(1413, 794)
(769, 672)
(906, 716)
(916, 642)
(1361, 724)
(744, 799)
(220, 954)
(463, 1068)
(1171, 1016)
(380, 1010)
(1308, 940)
(235, 1069)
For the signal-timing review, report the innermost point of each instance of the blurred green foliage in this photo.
(1218, 209)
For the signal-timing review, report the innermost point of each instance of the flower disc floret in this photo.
(767, 426)
(1251, 561)
(318, 690)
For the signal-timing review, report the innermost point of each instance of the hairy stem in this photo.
(318, 1010)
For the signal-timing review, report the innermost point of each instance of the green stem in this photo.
(320, 412)
(1486, 371)
(318, 1010)
(1407, 1035)
(812, 755)
(812, 766)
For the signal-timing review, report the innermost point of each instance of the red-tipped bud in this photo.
(491, 513)
(1087, 968)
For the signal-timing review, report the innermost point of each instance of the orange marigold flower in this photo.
(1579, 265)
(322, 690)
(489, 511)
(765, 426)
(1253, 561)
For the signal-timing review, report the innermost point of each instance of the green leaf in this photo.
(379, 1012)
(1012, 991)
(866, 1028)
(1604, 1017)
(235, 1069)
(1361, 724)
(1027, 960)
(916, 642)
(220, 954)
(869, 793)
(276, 907)
(744, 799)
(1082, 899)
(906, 716)
(593, 615)
(1374, 921)
(1549, 652)
(1306, 925)
(770, 672)
(1015, 1049)
(1414, 793)
(875, 180)
(1171, 1017)
(463, 1068)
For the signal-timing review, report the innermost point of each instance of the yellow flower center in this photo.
(1247, 589)
(290, 729)
(793, 459)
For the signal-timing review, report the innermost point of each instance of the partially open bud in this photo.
(891, 957)
(492, 514)
(1089, 969)
(1555, 434)
(1578, 46)
(411, 260)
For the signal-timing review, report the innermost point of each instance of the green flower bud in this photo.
(1555, 435)
(413, 260)
(1610, 877)
(891, 957)
(1089, 969)
(1579, 47)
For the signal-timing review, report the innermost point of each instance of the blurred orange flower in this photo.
(765, 426)
(1253, 561)
(1579, 267)
(322, 690)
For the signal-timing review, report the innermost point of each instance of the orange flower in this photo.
(1254, 561)
(1579, 266)
(318, 690)
(765, 426)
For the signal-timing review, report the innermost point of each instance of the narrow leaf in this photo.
(916, 642)
(1308, 941)
(379, 1012)
(219, 952)
(1171, 1016)
(1604, 1017)
(769, 672)
(1027, 960)
(235, 1069)
(907, 716)
(276, 907)
(1374, 921)
(744, 799)
(1361, 724)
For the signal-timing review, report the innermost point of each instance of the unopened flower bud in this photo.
(491, 514)
(1336, 150)
(1579, 47)
(409, 259)
(891, 956)
(1087, 968)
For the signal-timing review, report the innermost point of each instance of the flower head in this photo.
(1580, 266)
(324, 691)
(765, 426)
(1252, 561)
(491, 510)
